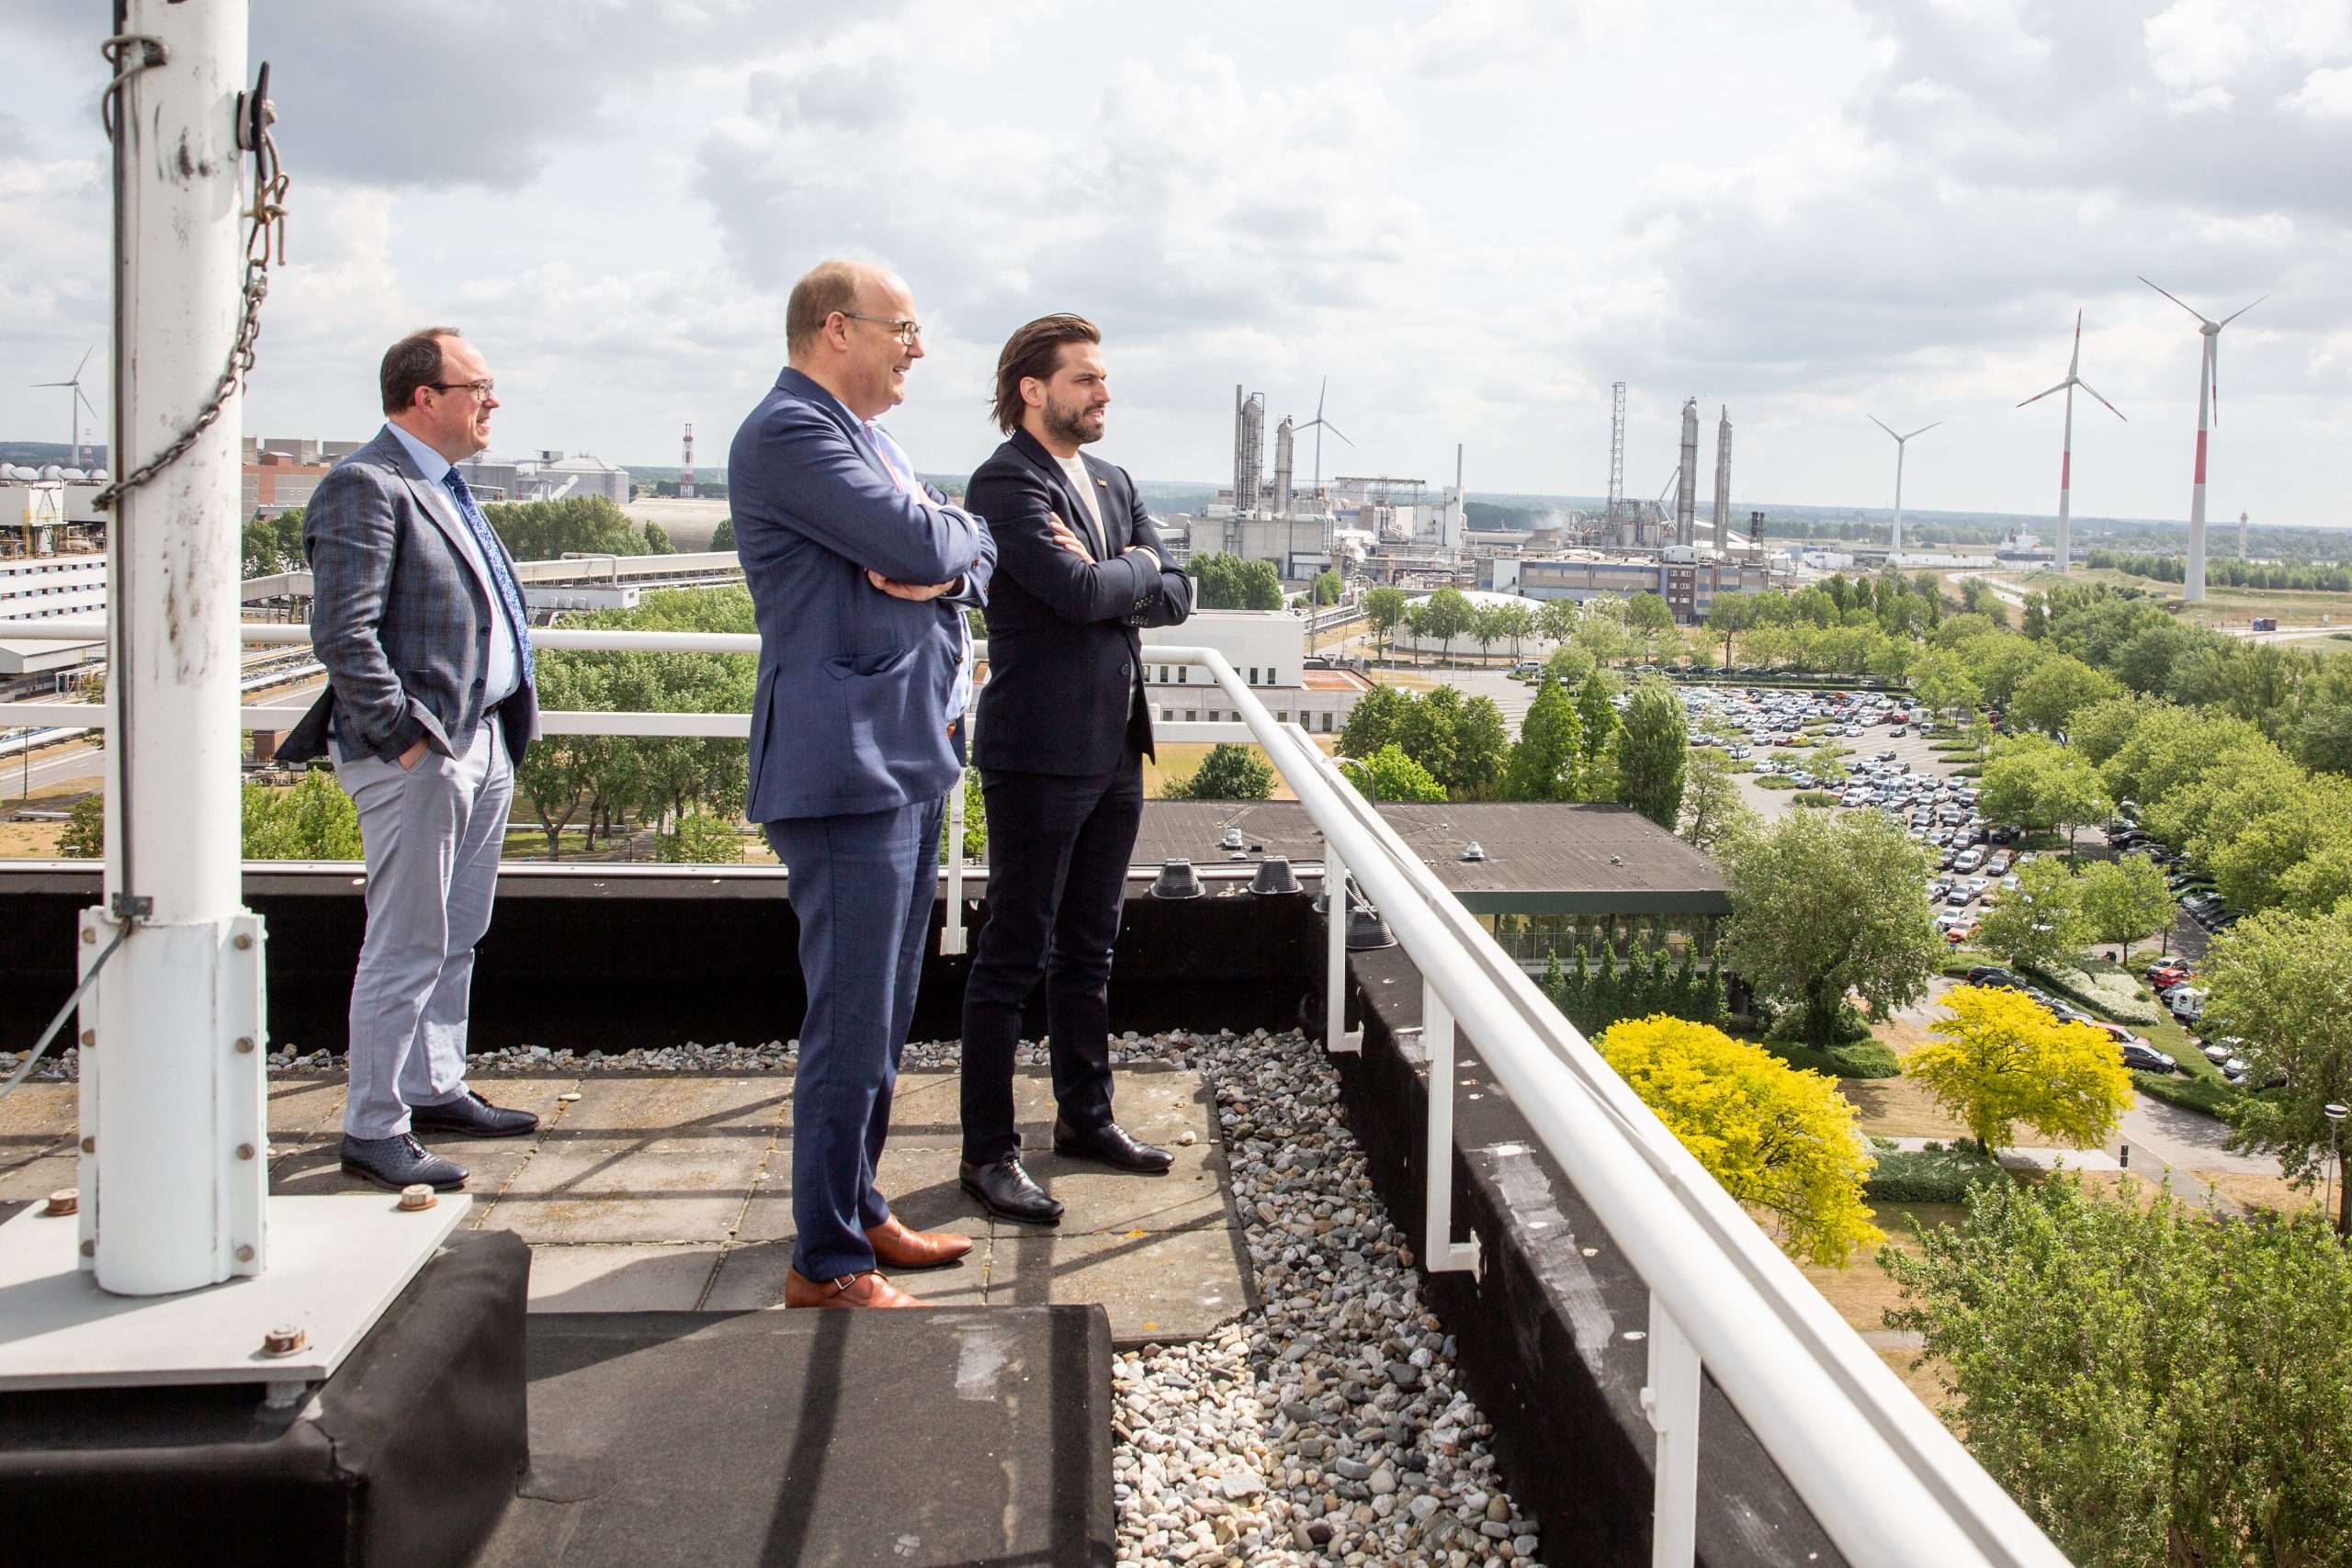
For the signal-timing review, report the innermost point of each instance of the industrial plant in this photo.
(1384, 528)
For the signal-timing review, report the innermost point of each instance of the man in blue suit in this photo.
(859, 573)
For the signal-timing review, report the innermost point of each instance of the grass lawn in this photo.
(2223, 604)
(1862, 1291)
(1178, 759)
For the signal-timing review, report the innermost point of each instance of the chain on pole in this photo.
(264, 242)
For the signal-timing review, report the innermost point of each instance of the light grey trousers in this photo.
(432, 835)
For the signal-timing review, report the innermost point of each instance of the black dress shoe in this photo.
(1005, 1191)
(1109, 1144)
(473, 1116)
(399, 1161)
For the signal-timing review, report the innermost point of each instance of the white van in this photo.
(2187, 1004)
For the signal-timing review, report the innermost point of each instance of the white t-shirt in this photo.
(1083, 482)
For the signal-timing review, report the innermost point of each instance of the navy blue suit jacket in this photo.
(851, 712)
(1065, 689)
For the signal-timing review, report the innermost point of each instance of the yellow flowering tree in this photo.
(1779, 1140)
(1998, 1056)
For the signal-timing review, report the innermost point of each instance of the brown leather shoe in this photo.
(896, 1247)
(866, 1289)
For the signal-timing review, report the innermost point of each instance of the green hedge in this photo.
(1863, 1059)
(1930, 1176)
(1814, 797)
(2211, 1096)
(1776, 780)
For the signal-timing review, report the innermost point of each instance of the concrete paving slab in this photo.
(1157, 1107)
(751, 1278)
(1154, 1286)
(918, 1180)
(494, 1163)
(646, 1160)
(620, 1279)
(32, 1180)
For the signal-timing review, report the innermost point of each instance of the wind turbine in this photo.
(1319, 424)
(2066, 461)
(75, 402)
(2209, 403)
(1895, 550)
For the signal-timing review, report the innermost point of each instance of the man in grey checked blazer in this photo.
(419, 618)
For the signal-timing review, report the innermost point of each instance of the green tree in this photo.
(1385, 607)
(1556, 620)
(1823, 906)
(1997, 1057)
(1445, 615)
(2153, 1386)
(1713, 813)
(1397, 777)
(1261, 586)
(1781, 1141)
(2042, 925)
(313, 820)
(1481, 750)
(2283, 983)
(1728, 615)
(1229, 771)
(700, 838)
(1651, 753)
(723, 536)
(1378, 718)
(589, 524)
(85, 837)
(1570, 665)
(1549, 758)
(2124, 900)
(267, 545)
(1486, 628)
(1598, 715)
(1327, 588)
(1229, 582)
(2058, 687)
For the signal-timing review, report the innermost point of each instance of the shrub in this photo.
(1932, 1174)
(1864, 1059)
(2215, 1097)
(1814, 797)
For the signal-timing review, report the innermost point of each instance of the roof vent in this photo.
(1177, 880)
(1232, 840)
(1474, 851)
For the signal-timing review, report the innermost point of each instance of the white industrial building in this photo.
(49, 587)
(1268, 648)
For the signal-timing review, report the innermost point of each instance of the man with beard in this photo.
(1061, 730)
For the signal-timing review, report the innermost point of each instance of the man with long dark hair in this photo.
(1062, 729)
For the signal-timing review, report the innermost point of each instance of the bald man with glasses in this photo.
(859, 573)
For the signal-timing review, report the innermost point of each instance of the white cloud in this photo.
(2326, 94)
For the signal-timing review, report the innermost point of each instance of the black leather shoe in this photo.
(1109, 1144)
(1006, 1190)
(473, 1116)
(399, 1161)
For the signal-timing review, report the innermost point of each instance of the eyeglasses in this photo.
(479, 388)
(905, 332)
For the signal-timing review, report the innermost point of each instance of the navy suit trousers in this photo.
(863, 889)
(1059, 848)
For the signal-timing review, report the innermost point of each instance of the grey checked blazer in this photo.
(399, 615)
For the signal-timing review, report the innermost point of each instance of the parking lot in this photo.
(1898, 773)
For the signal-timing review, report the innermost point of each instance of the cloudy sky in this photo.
(1471, 216)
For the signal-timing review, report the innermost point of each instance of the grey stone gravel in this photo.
(1326, 1427)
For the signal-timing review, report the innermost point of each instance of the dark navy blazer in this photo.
(1064, 689)
(851, 712)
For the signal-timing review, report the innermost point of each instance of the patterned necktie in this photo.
(959, 696)
(494, 561)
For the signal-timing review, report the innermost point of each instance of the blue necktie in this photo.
(494, 560)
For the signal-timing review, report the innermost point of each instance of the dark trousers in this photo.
(1059, 848)
(863, 889)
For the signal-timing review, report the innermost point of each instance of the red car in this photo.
(2165, 976)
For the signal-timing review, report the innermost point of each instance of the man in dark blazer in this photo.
(418, 617)
(858, 573)
(1063, 727)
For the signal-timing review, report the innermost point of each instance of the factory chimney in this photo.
(1722, 482)
(1249, 449)
(686, 467)
(1686, 485)
(2242, 554)
(1282, 468)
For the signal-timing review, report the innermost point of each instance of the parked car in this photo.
(1994, 975)
(2186, 1003)
(2146, 1058)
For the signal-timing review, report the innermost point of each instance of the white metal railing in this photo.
(1885, 1480)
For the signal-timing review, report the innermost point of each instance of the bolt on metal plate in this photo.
(284, 1340)
(64, 1200)
(416, 1195)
